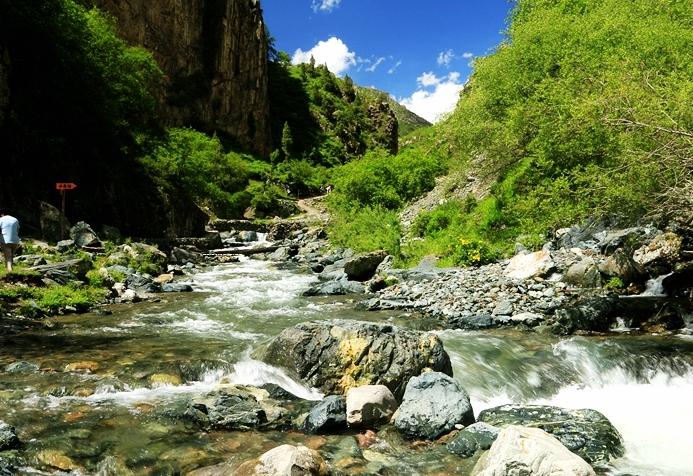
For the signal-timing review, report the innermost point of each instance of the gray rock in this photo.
(474, 322)
(21, 367)
(247, 236)
(143, 284)
(54, 225)
(362, 268)
(325, 289)
(176, 288)
(329, 414)
(182, 256)
(30, 260)
(433, 404)
(584, 274)
(587, 433)
(522, 451)
(282, 254)
(238, 407)
(478, 436)
(504, 308)
(620, 265)
(336, 355)
(83, 235)
(8, 437)
(593, 314)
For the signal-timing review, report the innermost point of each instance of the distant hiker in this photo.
(9, 238)
(329, 188)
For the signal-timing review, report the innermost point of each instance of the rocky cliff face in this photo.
(214, 55)
(4, 85)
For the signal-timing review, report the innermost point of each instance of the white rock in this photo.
(530, 265)
(288, 460)
(369, 405)
(529, 452)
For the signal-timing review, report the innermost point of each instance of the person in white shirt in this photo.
(9, 237)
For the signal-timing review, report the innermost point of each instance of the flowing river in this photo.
(109, 392)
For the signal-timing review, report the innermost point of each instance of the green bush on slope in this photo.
(584, 109)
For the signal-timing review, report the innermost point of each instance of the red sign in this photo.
(65, 186)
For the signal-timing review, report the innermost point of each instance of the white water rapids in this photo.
(642, 384)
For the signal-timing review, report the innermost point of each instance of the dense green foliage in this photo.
(197, 165)
(79, 99)
(571, 111)
(327, 122)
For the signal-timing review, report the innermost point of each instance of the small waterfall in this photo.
(655, 286)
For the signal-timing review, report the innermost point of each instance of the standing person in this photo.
(9, 237)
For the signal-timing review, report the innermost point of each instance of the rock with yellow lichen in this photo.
(337, 355)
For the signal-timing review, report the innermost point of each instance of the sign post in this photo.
(62, 186)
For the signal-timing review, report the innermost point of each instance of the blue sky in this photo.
(417, 51)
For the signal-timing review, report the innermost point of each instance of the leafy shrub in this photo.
(367, 229)
(380, 180)
(472, 253)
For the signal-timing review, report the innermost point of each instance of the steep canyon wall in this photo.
(214, 55)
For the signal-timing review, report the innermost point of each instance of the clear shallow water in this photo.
(125, 417)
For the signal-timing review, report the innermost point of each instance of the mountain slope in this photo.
(408, 121)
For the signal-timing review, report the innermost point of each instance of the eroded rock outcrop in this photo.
(337, 355)
(214, 56)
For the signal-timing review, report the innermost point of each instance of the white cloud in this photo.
(445, 58)
(392, 70)
(467, 55)
(432, 105)
(375, 65)
(333, 52)
(325, 5)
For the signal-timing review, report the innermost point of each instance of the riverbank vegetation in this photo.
(584, 109)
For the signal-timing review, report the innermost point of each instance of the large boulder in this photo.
(54, 225)
(525, 266)
(587, 433)
(337, 355)
(520, 451)
(238, 407)
(433, 404)
(83, 235)
(362, 267)
(368, 406)
(329, 414)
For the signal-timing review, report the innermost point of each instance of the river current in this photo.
(110, 391)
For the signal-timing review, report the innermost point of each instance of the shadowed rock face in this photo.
(214, 56)
(337, 355)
